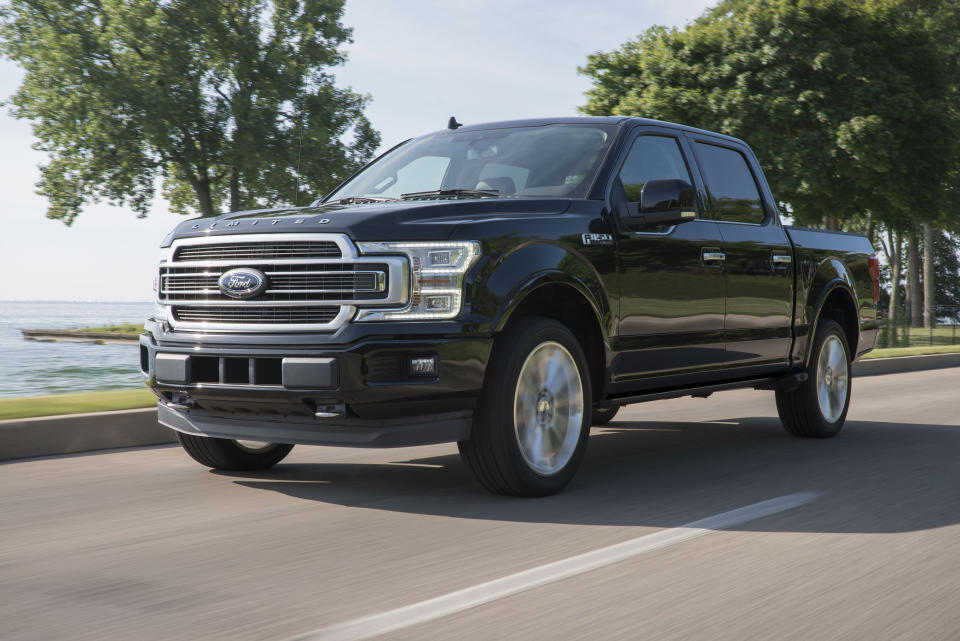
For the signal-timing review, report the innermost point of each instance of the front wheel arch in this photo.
(568, 304)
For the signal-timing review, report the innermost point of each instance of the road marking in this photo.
(441, 606)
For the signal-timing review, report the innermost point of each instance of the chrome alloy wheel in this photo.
(548, 408)
(832, 378)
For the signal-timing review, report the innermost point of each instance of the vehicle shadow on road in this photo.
(874, 477)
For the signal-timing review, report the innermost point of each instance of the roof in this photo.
(586, 120)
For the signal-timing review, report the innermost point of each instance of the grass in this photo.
(127, 328)
(920, 336)
(916, 350)
(32, 406)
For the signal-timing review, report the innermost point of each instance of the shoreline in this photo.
(80, 336)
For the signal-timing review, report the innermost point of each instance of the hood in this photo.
(401, 220)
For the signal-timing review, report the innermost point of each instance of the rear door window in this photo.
(731, 187)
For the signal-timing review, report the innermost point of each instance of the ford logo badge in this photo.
(242, 283)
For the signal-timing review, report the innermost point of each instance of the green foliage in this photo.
(946, 271)
(844, 102)
(209, 96)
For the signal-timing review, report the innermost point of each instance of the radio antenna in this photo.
(296, 194)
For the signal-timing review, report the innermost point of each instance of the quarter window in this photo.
(733, 192)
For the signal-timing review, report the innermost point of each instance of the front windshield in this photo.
(551, 160)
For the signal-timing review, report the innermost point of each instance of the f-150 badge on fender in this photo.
(597, 239)
(242, 283)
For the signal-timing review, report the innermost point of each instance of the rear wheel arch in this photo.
(837, 303)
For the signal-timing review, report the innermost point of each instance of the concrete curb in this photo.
(71, 433)
(51, 435)
(901, 364)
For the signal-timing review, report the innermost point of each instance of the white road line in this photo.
(441, 606)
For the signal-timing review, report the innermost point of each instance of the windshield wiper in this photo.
(358, 200)
(456, 193)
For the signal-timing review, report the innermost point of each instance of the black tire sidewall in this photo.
(603, 415)
(226, 454)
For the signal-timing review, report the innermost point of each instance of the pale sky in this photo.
(421, 61)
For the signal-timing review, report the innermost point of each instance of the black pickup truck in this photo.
(505, 286)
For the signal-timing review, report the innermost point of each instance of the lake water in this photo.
(34, 368)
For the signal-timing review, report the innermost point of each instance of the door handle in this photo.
(712, 255)
(782, 260)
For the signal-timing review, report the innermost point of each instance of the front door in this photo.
(671, 285)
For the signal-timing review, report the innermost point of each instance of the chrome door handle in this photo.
(713, 256)
(782, 259)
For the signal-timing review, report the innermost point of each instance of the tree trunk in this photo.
(896, 252)
(202, 188)
(929, 283)
(869, 232)
(234, 190)
(914, 302)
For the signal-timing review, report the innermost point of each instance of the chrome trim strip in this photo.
(345, 314)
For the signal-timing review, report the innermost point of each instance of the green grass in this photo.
(31, 406)
(920, 336)
(128, 328)
(916, 350)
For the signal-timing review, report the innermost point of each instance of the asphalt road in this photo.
(145, 544)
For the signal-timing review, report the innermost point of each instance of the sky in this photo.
(421, 61)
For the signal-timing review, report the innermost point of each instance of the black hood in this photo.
(401, 220)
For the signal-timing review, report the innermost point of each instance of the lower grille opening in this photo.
(144, 359)
(236, 371)
(268, 371)
(205, 369)
(257, 315)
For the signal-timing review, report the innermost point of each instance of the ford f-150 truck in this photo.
(505, 286)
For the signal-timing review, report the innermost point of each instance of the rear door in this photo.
(671, 291)
(758, 257)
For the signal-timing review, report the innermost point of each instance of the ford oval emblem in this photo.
(243, 282)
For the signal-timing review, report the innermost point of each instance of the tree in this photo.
(212, 97)
(843, 102)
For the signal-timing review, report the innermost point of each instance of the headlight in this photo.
(436, 278)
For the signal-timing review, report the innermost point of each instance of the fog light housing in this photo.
(423, 366)
(441, 303)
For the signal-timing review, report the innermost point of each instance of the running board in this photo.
(766, 382)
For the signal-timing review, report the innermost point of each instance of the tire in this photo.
(817, 408)
(603, 415)
(224, 454)
(530, 430)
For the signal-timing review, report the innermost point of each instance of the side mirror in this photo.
(662, 202)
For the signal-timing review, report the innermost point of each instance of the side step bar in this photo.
(785, 382)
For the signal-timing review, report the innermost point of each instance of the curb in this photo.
(72, 433)
(901, 364)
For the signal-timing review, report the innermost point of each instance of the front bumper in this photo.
(362, 395)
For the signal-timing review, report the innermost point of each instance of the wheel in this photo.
(603, 415)
(532, 421)
(818, 407)
(224, 454)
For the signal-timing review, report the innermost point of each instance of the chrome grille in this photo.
(313, 315)
(314, 282)
(340, 281)
(259, 251)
